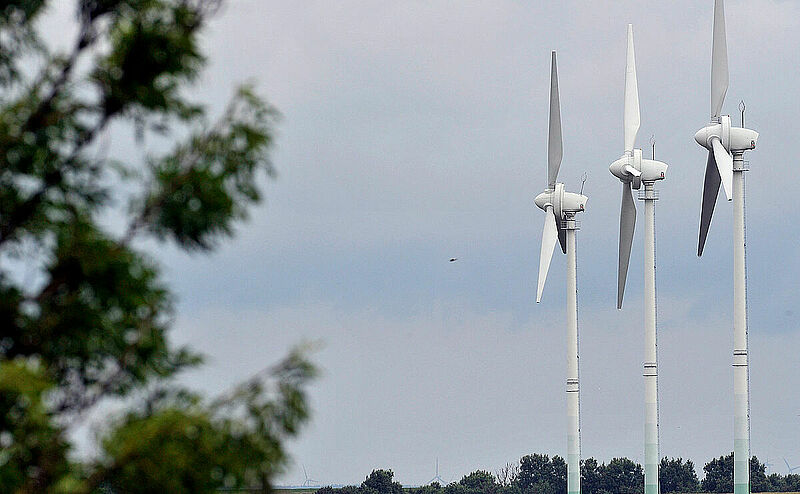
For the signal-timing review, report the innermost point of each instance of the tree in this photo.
(480, 481)
(758, 476)
(93, 324)
(349, 489)
(30, 438)
(591, 477)
(507, 475)
(675, 475)
(538, 473)
(719, 475)
(789, 483)
(534, 470)
(380, 482)
(622, 476)
(432, 488)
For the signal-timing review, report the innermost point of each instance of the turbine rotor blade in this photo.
(719, 61)
(631, 117)
(710, 192)
(549, 237)
(724, 165)
(562, 236)
(554, 144)
(627, 225)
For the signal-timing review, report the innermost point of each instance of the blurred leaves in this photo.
(89, 319)
(154, 52)
(179, 444)
(203, 186)
(33, 447)
(101, 320)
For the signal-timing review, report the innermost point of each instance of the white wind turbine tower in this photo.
(634, 171)
(560, 208)
(726, 146)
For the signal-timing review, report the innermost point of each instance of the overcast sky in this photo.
(416, 131)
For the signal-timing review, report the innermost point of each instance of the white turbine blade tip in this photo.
(554, 140)
(719, 61)
(549, 239)
(631, 117)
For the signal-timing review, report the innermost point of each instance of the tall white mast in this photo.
(573, 383)
(651, 449)
(741, 377)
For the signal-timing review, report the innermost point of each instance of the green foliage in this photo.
(33, 447)
(185, 443)
(432, 488)
(758, 476)
(718, 475)
(348, 489)
(380, 482)
(100, 321)
(212, 173)
(675, 475)
(153, 53)
(480, 481)
(780, 483)
(176, 443)
(538, 473)
(91, 318)
(622, 476)
(591, 477)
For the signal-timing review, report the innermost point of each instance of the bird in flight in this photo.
(453, 259)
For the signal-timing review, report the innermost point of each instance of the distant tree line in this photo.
(541, 474)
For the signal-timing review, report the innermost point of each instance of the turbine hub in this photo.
(704, 136)
(545, 199)
(628, 168)
(617, 168)
(561, 201)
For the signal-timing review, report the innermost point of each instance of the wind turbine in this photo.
(309, 482)
(633, 171)
(726, 146)
(560, 226)
(437, 478)
(790, 468)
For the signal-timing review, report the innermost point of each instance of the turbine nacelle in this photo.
(631, 167)
(733, 139)
(561, 201)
